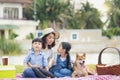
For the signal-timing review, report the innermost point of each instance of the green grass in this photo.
(19, 68)
(92, 66)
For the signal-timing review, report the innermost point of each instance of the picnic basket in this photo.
(104, 69)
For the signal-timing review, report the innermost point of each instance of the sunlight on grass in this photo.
(93, 66)
(19, 68)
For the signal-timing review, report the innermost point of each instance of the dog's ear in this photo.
(84, 54)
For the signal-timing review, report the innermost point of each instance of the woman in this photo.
(48, 37)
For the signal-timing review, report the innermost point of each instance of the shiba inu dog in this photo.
(79, 68)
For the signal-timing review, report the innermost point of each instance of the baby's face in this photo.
(37, 46)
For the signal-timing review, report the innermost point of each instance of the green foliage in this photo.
(47, 11)
(90, 17)
(50, 10)
(30, 36)
(61, 13)
(113, 13)
(12, 35)
(9, 47)
(28, 13)
(107, 33)
(111, 32)
(74, 21)
(87, 17)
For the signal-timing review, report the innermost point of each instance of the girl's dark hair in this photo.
(44, 42)
(37, 40)
(67, 47)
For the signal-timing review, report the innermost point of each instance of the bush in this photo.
(111, 32)
(13, 35)
(30, 36)
(9, 47)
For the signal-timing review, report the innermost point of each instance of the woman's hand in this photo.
(53, 62)
(36, 65)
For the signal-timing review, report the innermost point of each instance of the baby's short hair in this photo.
(37, 40)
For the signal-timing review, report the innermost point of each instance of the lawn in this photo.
(19, 68)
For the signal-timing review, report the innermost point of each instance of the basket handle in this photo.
(99, 57)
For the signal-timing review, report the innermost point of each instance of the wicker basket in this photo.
(103, 69)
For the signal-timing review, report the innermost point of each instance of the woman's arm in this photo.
(54, 60)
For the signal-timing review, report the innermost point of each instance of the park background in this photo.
(88, 25)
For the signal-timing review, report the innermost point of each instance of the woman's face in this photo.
(50, 39)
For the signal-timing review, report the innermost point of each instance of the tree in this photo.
(60, 12)
(113, 21)
(28, 13)
(73, 21)
(90, 17)
(48, 11)
(113, 13)
(87, 17)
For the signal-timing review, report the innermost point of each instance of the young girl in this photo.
(62, 65)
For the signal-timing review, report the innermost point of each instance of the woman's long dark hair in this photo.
(67, 47)
(44, 42)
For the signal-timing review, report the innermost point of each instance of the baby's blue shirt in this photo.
(39, 59)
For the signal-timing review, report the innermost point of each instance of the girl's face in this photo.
(50, 39)
(37, 46)
(61, 50)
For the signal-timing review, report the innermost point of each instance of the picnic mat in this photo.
(92, 77)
